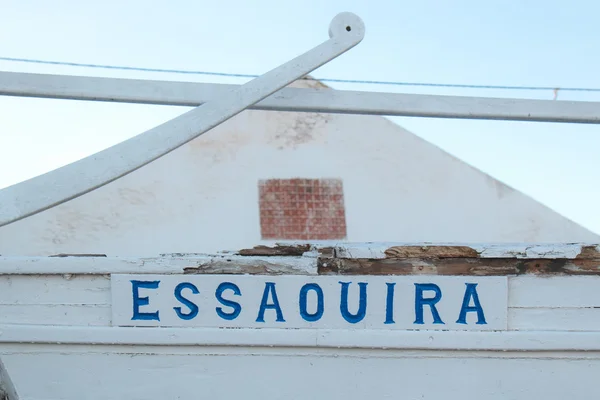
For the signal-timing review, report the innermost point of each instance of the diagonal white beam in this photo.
(302, 100)
(63, 184)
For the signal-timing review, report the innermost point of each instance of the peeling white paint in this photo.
(157, 265)
(213, 204)
(569, 251)
(491, 250)
(304, 338)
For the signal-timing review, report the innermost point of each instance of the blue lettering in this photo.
(303, 302)
(471, 292)
(142, 301)
(431, 302)
(389, 304)
(362, 304)
(237, 308)
(269, 288)
(193, 307)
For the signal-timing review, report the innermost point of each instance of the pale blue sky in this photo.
(527, 42)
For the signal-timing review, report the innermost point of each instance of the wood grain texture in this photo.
(534, 303)
(470, 250)
(54, 289)
(532, 291)
(56, 314)
(328, 258)
(572, 319)
(459, 266)
(524, 291)
(279, 250)
(380, 339)
(223, 374)
(554, 319)
(431, 252)
(57, 327)
(165, 264)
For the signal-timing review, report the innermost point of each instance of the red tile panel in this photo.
(302, 209)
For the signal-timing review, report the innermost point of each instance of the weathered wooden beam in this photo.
(380, 250)
(280, 250)
(342, 259)
(7, 389)
(477, 250)
(305, 338)
(193, 94)
(459, 266)
(166, 264)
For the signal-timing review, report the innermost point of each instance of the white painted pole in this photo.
(63, 184)
(303, 100)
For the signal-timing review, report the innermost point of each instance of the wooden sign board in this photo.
(328, 302)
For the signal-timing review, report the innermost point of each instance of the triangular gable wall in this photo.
(205, 196)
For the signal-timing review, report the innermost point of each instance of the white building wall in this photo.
(204, 196)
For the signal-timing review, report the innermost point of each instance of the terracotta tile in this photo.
(302, 209)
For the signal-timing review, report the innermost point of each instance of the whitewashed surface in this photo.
(142, 373)
(551, 351)
(484, 250)
(154, 211)
(86, 300)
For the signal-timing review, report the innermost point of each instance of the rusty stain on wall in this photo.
(295, 129)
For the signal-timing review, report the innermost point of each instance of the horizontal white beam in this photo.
(376, 250)
(303, 100)
(305, 338)
(231, 264)
(306, 264)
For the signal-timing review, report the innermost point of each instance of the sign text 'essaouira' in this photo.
(328, 302)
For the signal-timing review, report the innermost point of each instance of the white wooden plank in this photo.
(554, 303)
(193, 94)
(89, 312)
(484, 250)
(186, 350)
(554, 319)
(158, 265)
(554, 291)
(56, 314)
(271, 264)
(335, 374)
(54, 289)
(533, 250)
(154, 350)
(302, 338)
(73, 180)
